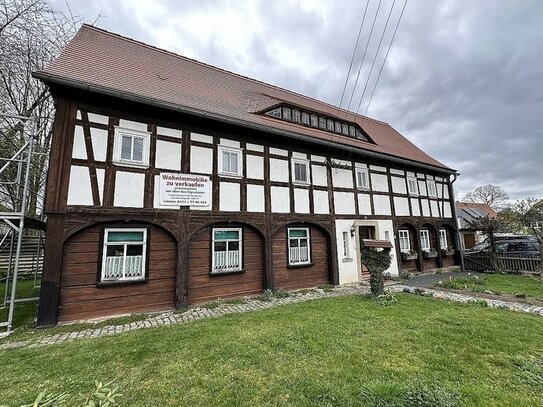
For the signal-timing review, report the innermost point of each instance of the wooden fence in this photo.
(509, 263)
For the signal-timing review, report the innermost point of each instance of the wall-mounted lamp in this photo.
(353, 229)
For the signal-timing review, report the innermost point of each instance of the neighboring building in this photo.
(467, 212)
(173, 182)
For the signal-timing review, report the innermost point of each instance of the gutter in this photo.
(48, 78)
(456, 222)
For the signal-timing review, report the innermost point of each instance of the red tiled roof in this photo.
(110, 63)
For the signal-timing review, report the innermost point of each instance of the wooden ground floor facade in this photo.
(189, 258)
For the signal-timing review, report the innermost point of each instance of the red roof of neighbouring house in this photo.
(468, 211)
(109, 63)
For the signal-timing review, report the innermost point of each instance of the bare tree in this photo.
(489, 194)
(31, 36)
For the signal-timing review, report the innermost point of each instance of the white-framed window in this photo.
(346, 248)
(300, 171)
(230, 161)
(227, 249)
(305, 118)
(362, 178)
(432, 191)
(403, 237)
(299, 251)
(131, 147)
(443, 239)
(425, 240)
(412, 186)
(124, 254)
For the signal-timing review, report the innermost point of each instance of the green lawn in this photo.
(348, 351)
(24, 314)
(531, 286)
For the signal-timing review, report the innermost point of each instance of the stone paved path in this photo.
(172, 317)
(430, 279)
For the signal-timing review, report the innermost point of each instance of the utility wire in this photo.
(384, 60)
(363, 57)
(352, 59)
(375, 56)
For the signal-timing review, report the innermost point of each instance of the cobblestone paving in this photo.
(196, 313)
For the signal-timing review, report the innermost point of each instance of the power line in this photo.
(363, 57)
(376, 55)
(352, 59)
(384, 60)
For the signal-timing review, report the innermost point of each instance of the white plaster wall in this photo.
(425, 207)
(79, 189)
(229, 143)
(387, 229)
(422, 188)
(278, 151)
(435, 210)
(379, 183)
(280, 199)
(364, 204)
(377, 168)
(255, 167)
(318, 158)
(201, 160)
(296, 154)
(100, 175)
(320, 202)
(202, 138)
(398, 185)
(381, 205)
(79, 149)
(344, 203)
(401, 206)
(415, 206)
(168, 155)
(166, 131)
(129, 124)
(98, 118)
(254, 147)
(347, 266)
(301, 200)
(229, 196)
(278, 170)
(255, 198)
(129, 188)
(99, 144)
(342, 178)
(447, 213)
(397, 172)
(446, 192)
(319, 175)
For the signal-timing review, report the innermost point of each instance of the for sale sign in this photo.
(184, 190)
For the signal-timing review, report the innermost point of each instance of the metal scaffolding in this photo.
(16, 259)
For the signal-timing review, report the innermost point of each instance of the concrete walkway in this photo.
(255, 304)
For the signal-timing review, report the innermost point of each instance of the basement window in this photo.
(227, 246)
(131, 147)
(299, 251)
(124, 255)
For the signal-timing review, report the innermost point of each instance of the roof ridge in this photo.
(141, 43)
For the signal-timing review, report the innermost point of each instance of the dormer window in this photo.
(319, 121)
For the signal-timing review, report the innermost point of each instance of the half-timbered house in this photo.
(173, 182)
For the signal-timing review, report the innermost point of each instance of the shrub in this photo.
(426, 396)
(405, 275)
(281, 293)
(376, 262)
(267, 295)
(388, 298)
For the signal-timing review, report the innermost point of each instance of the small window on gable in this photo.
(352, 131)
(131, 147)
(275, 113)
(226, 247)
(230, 161)
(296, 115)
(403, 237)
(300, 171)
(124, 255)
(287, 113)
(362, 178)
(314, 120)
(412, 186)
(330, 125)
(299, 251)
(432, 191)
(345, 129)
(305, 118)
(322, 123)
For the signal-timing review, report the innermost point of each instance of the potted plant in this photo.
(410, 255)
(429, 254)
(449, 251)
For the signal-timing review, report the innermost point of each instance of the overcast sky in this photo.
(463, 80)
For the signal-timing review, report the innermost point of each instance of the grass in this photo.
(530, 286)
(347, 351)
(25, 312)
